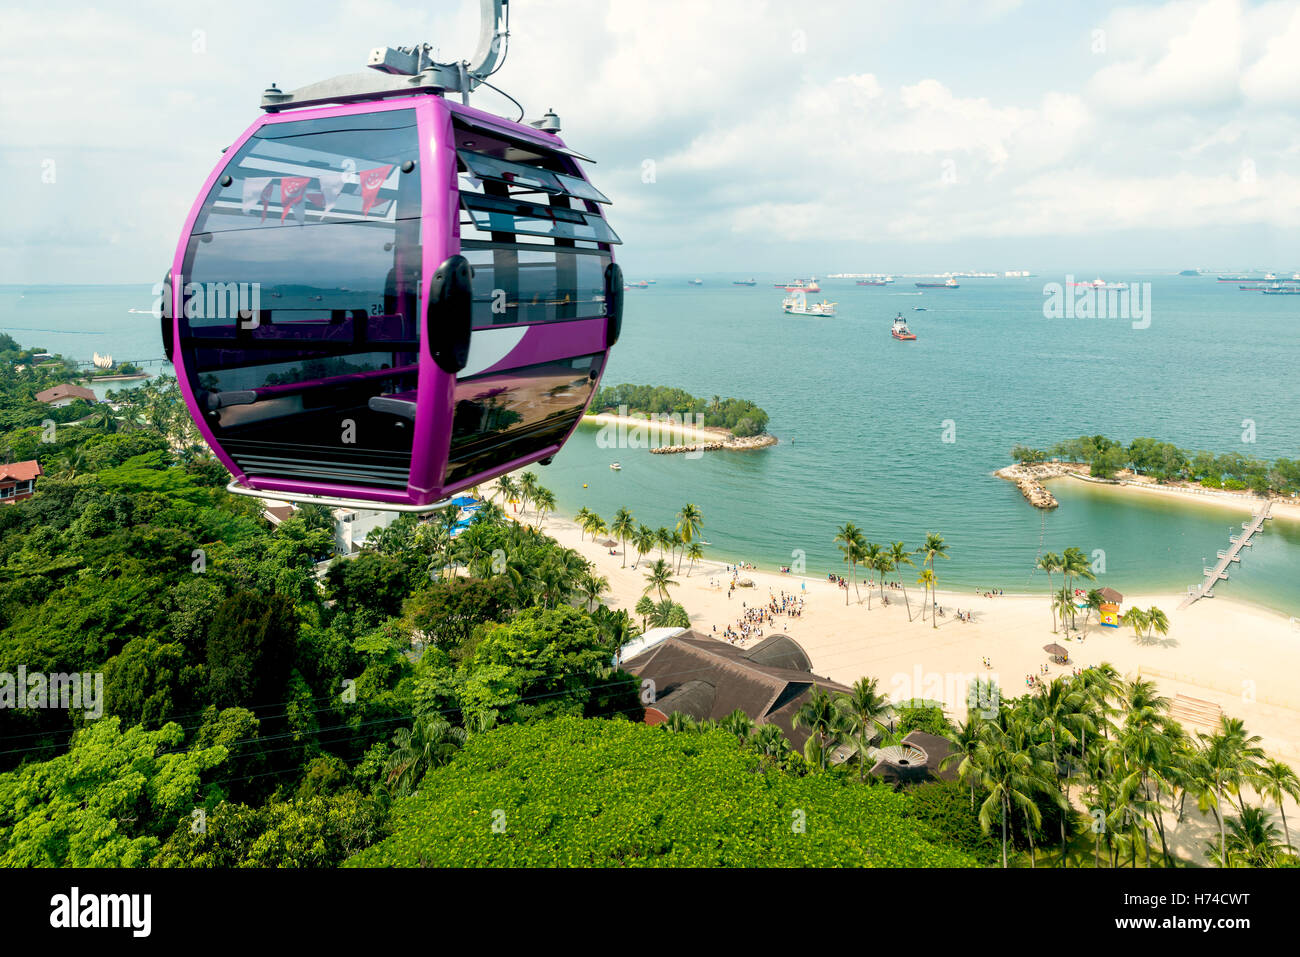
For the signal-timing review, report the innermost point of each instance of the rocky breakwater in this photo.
(730, 442)
(1029, 479)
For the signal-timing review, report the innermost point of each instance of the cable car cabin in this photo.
(391, 301)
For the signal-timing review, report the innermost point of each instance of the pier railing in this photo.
(1233, 554)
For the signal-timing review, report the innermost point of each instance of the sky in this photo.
(734, 136)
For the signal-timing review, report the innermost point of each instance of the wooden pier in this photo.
(1233, 554)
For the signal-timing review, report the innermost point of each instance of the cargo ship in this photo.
(950, 284)
(744, 282)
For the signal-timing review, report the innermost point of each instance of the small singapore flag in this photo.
(371, 180)
(291, 194)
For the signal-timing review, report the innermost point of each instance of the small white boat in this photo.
(615, 466)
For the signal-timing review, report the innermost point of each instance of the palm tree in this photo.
(1062, 602)
(898, 557)
(1135, 617)
(1229, 757)
(429, 742)
(966, 739)
(527, 488)
(622, 527)
(934, 547)
(1157, 621)
(102, 419)
(819, 715)
(508, 489)
(1051, 709)
(1049, 563)
(739, 724)
(70, 462)
(582, 517)
(664, 539)
(873, 557)
(862, 710)
(1011, 777)
(1253, 838)
(1276, 779)
(592, 523)
(645, 608)
(591, 587)
(926, 578)
(643, 539)
(770, 742)
(1094, 603)
(1074, 564)
(695, 552)
(689, 522)
(660, 578)
(669, 614)
(679, 548)
(544, 499)
(851, 542)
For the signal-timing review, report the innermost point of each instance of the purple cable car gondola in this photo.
(426, 293)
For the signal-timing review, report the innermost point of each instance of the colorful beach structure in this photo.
(1110, 602)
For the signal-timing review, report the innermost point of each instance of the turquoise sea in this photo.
(862, 417)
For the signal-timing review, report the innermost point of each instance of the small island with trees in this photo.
(705, 424)
(1146, 461)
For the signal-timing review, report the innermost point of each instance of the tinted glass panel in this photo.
(351, 166)
(529, 177)
(505, 416)
(521, 284)
(499, 215)
(300, 324)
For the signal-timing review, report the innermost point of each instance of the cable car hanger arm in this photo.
(408, 70)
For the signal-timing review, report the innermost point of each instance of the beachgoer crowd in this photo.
(754, 619)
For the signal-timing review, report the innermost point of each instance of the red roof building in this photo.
(18, 481)
(65, 394)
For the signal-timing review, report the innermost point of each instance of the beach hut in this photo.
(1110, 602)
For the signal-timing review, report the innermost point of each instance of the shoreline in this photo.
(1247, 676)
(91, 380)
(1247, 502)
(637, 431)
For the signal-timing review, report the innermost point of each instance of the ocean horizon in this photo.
(902, 438)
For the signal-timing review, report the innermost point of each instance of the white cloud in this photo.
(1194, 61)
(769, 123)
(1275, 76)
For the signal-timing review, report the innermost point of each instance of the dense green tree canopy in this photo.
(614, 793)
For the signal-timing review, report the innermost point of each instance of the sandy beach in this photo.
(1219, 655)
(1238, 657)
(656, 432)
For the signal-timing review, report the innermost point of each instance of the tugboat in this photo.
(900, 330)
